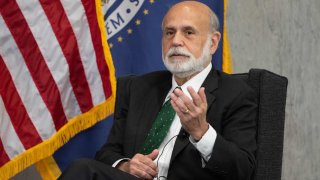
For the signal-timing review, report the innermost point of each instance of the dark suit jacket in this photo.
(231, 112)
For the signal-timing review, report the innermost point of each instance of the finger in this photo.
(144, 164)
(148, 162)
(183, 101)
(148, 171)
(195, 96)
(179, 93)
(173, 97)
(202, 95)
(140, 173)
(176, 100)
(176, 108)
(181, 106)
(189, 103)
(152, 171)
(150, 158)
(153, 155)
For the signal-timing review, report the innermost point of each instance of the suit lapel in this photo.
(181, 142)
(210, 84)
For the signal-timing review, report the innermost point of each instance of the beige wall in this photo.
(283, 36)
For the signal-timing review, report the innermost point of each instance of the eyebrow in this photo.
(189, 28)
(169, 28)
(183, 28)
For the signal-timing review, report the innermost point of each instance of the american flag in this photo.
(56, 77)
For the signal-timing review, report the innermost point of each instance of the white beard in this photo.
(190, 65)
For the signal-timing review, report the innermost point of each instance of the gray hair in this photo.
(214, 21)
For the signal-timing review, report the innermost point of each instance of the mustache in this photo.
(178, 51)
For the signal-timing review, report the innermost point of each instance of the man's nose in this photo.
(177, 40)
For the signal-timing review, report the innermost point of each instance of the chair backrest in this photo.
(271, 91)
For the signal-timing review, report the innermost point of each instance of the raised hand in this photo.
(192, 112)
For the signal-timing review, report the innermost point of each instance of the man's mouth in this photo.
(179, 56)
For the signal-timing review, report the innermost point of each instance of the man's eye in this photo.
(189, 32)
(168, 33)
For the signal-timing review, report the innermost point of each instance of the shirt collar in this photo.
(195, 82)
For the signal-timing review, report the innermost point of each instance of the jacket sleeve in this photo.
(113, 149)
(233, 152)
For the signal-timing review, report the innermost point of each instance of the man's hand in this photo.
(192, 113)
(141, 166)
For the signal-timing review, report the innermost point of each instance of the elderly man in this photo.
(192, 122)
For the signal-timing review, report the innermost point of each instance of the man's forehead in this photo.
(188, 8)
(183, 16)
(185, 23)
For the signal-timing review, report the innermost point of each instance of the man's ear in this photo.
(215, 39)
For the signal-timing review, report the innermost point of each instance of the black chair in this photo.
(272, 92)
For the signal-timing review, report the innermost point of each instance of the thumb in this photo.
(153, 155)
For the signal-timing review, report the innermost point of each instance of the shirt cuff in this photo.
(118, 161)
(206, 143)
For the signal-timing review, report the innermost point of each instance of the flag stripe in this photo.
(19, 117)
(25, 85)
(74, 11)
(89, 7)
(11, 142)
(52, 53)
(35, 61)
(68, 43)
(49, 64)
(3, 156)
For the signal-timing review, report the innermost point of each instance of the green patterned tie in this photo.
(159, 129)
